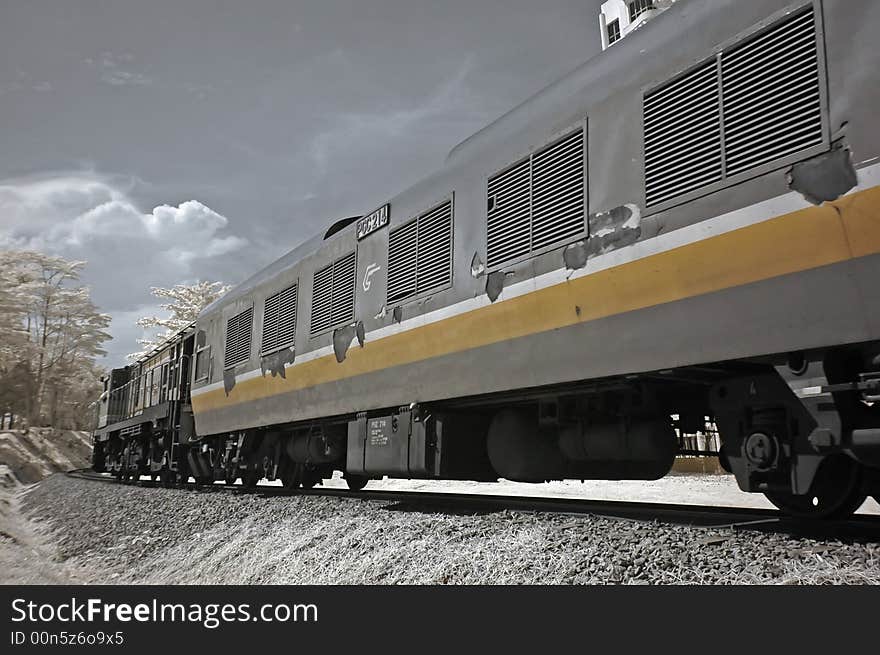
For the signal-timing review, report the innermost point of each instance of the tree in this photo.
(51, 335)
(186, 301)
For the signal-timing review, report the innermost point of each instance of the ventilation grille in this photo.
(558, 191)
(238, 338)
(538, 202)
(768, 87)
(344, 275)
(772, 103)
(279, 320)
(683, 135)
(420, 254)
(333, 295)
(508, 226)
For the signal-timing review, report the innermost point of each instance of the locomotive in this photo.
(680, 232)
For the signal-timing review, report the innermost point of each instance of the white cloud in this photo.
(69, 212)
(85, 216)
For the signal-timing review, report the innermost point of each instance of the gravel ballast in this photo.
(111, 533)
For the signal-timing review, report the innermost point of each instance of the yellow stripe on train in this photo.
(794, 242)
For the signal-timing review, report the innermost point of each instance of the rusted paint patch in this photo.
(602, 223)
(824, 178)
(625, 236)
(477, 266)
(342, 338)
(397, 314)
(575, 255)
(275, 362)
(228, 380)
(494, 284)
(609, 230)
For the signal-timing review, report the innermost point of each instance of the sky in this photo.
(172, 141)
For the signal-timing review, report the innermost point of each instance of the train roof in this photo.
(593, 81)
(600, 76)
(278, 266)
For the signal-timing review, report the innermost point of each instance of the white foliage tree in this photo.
(184, 302)
(50, 334)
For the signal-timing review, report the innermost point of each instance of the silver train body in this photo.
(685, 229)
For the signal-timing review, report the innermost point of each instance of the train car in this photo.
(144, 417)
(683, 231)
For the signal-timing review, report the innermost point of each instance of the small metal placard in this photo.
(377, 431)
(375, 221)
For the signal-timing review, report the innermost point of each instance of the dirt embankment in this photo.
(32, 454)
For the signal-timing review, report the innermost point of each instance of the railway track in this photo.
(858, 528)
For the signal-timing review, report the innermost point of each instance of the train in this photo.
(680, 235)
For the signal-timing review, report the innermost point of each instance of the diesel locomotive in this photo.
(685, 230)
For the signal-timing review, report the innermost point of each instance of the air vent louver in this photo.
(322, 300)
(238, 338)
(279, 320)
(420, 254)
(772, 103)
(538, 202)
(683, 135)
(344, 274)
(508, 228)
(558, 191)
(333, 295)
(402, 262)
(761, 94)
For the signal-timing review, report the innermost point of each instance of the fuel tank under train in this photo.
(522, 450)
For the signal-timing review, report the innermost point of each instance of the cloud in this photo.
(362, 130)
(86, 216)
(114, 70)
(67, 213)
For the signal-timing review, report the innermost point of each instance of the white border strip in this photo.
(734, 220)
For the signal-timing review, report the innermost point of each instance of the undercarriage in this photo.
(802, 428)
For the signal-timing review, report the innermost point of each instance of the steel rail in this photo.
(863, 528)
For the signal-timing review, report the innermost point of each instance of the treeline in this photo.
(50, 335)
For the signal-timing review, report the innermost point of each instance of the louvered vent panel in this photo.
(558, 191)
(772, 102)
(402, 262)
(279, 320)
(344, 274)
(322, 300)
(682, 135)
(238, 338)
(435, 248)
(508, 226)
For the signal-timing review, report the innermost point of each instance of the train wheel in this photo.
(250, 479)
(836, 492)
(290, 479)
(310, 478)
(356, 482)
(230, 478)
